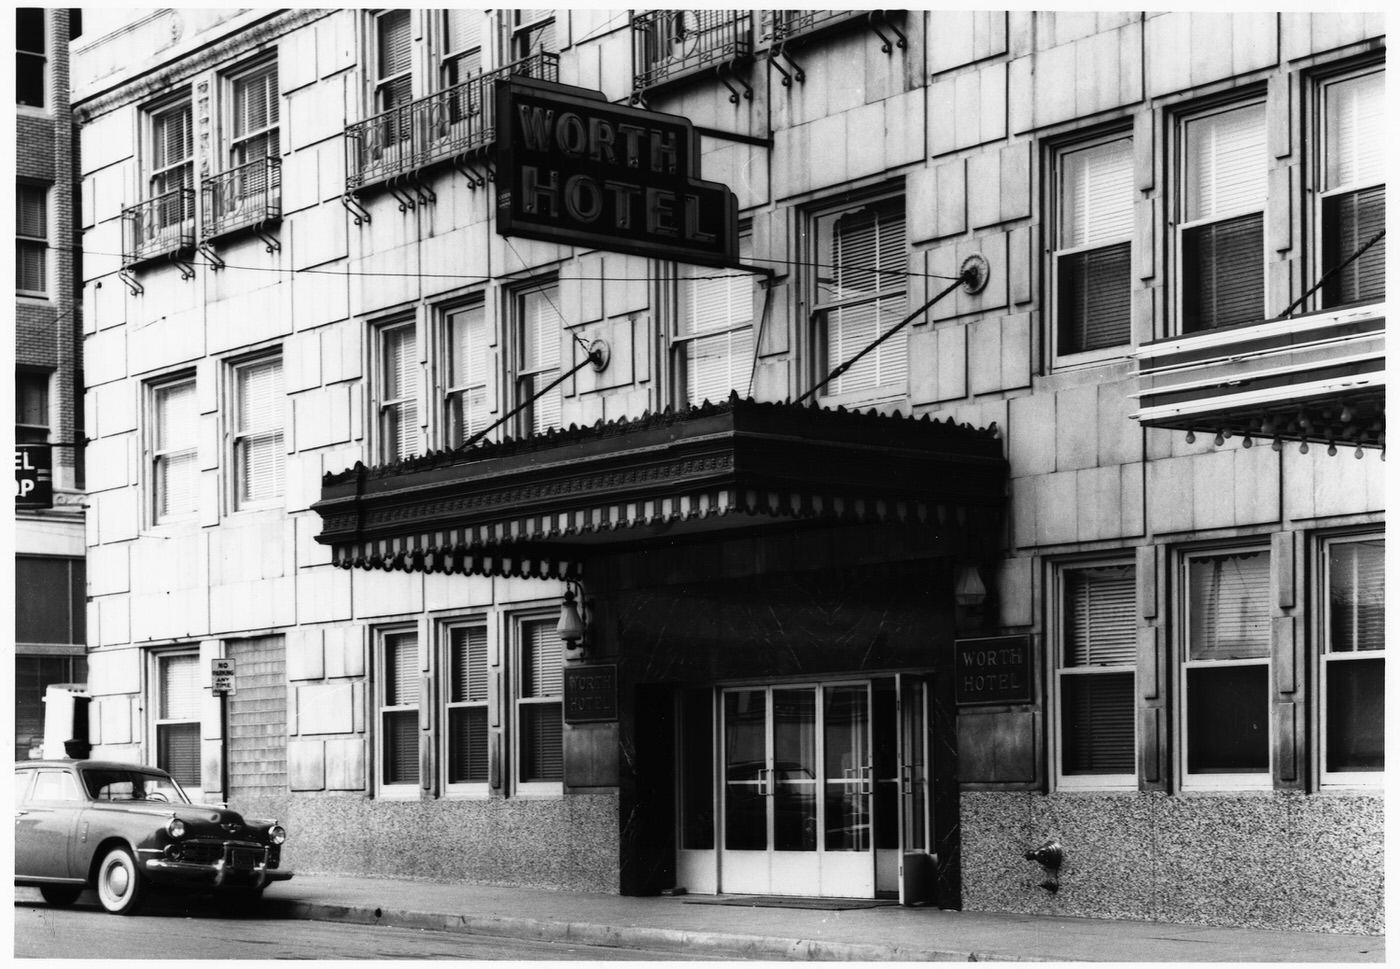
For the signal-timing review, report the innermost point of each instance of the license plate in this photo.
(245, 859)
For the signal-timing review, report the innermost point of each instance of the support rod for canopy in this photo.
(970, 276)
(1330, 273)
(597, 357)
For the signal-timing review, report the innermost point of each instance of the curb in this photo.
(639, 937)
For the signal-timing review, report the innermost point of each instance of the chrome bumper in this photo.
(215, 874)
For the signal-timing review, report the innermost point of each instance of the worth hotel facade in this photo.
(503, 393)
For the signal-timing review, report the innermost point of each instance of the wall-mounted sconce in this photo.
(572, 626)
(968, 589)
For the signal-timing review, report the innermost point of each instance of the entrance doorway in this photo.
(816, 789)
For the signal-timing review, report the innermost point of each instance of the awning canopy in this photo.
(542, 505)
(1318, 378)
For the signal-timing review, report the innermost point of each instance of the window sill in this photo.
(34, 296)
(398, 792)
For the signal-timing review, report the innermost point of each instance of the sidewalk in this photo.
(726, 932)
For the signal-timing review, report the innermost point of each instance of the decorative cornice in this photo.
(183, 68)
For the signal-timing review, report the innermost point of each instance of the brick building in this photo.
(50, 614)
(555, 558)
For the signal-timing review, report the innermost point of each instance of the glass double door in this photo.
(821, 787)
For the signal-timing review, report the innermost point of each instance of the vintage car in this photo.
(122, 828)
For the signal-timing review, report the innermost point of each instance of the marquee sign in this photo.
(576, 169)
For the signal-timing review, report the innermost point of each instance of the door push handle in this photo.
(865, 781)
(765, 782)
(906, 779)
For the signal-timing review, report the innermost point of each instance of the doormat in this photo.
(787, 901)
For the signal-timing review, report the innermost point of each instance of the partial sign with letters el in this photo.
(33, 476)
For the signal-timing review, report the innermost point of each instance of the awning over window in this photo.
(542, 505)
(1318, 378)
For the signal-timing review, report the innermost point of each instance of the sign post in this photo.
(221, 674)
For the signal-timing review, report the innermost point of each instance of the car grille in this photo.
(208, 852)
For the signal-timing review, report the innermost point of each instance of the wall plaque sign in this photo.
(590, 694)
(574, 168)
(992, 670)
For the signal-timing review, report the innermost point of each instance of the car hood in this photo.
(203, 820)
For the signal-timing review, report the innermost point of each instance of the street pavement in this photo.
(690, 925)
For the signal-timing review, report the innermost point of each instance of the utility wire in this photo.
(314, 270)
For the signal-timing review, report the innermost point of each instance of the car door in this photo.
(45, 820)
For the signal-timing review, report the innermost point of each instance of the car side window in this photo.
(22, 783)
(55, 785)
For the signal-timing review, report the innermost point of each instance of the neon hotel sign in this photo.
(574, 168)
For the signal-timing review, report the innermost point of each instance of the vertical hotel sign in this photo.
(576, 169)
(33, 476)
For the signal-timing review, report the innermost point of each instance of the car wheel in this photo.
(61, 895)
(119, 882)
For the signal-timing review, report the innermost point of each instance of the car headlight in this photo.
(277, 834)
(175, 828)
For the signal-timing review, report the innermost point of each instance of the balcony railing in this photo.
(671, 44)
(248, 195)
(439, 127)
(158, 226)
(788, 25)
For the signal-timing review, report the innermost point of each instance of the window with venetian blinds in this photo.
(714, 342)
(862, 270)
(1353, 201)
(539, 703)
(398, 708)
(468, 757)
(177, 717)
(1098, 657)
(1222, 219)
(400, 374)
(541, 329)
(1093, 257)
(31, 238)
(175, 465)
(259, 454)
(469, 401)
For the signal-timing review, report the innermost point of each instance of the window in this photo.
(177, 716)
(399, 678)
(468, 400)
(538, 707)
(55, 785)
(1353, 187)
(1097, 657)
(31, 239)
(467, 661)
(1225, 670)
(174, 451)
(861, 270)
(1353, 660)
(258, 452)
(537, 346)
(50, 601)
(1221, 231)
(393, 74)
(31, 406)
(713, 350)
(461, 45)
(399, 378)
(31, 70)
(171, 163)
(1092, 251)
(532, 32)
(253, 115)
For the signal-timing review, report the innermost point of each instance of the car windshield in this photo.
(132, 785)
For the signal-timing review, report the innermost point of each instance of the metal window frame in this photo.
(1325, 658)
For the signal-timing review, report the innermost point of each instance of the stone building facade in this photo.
(1088, 551)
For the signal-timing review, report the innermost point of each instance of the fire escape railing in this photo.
(158, 226)
(439, 127)
(672, 44)
(245, 196)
